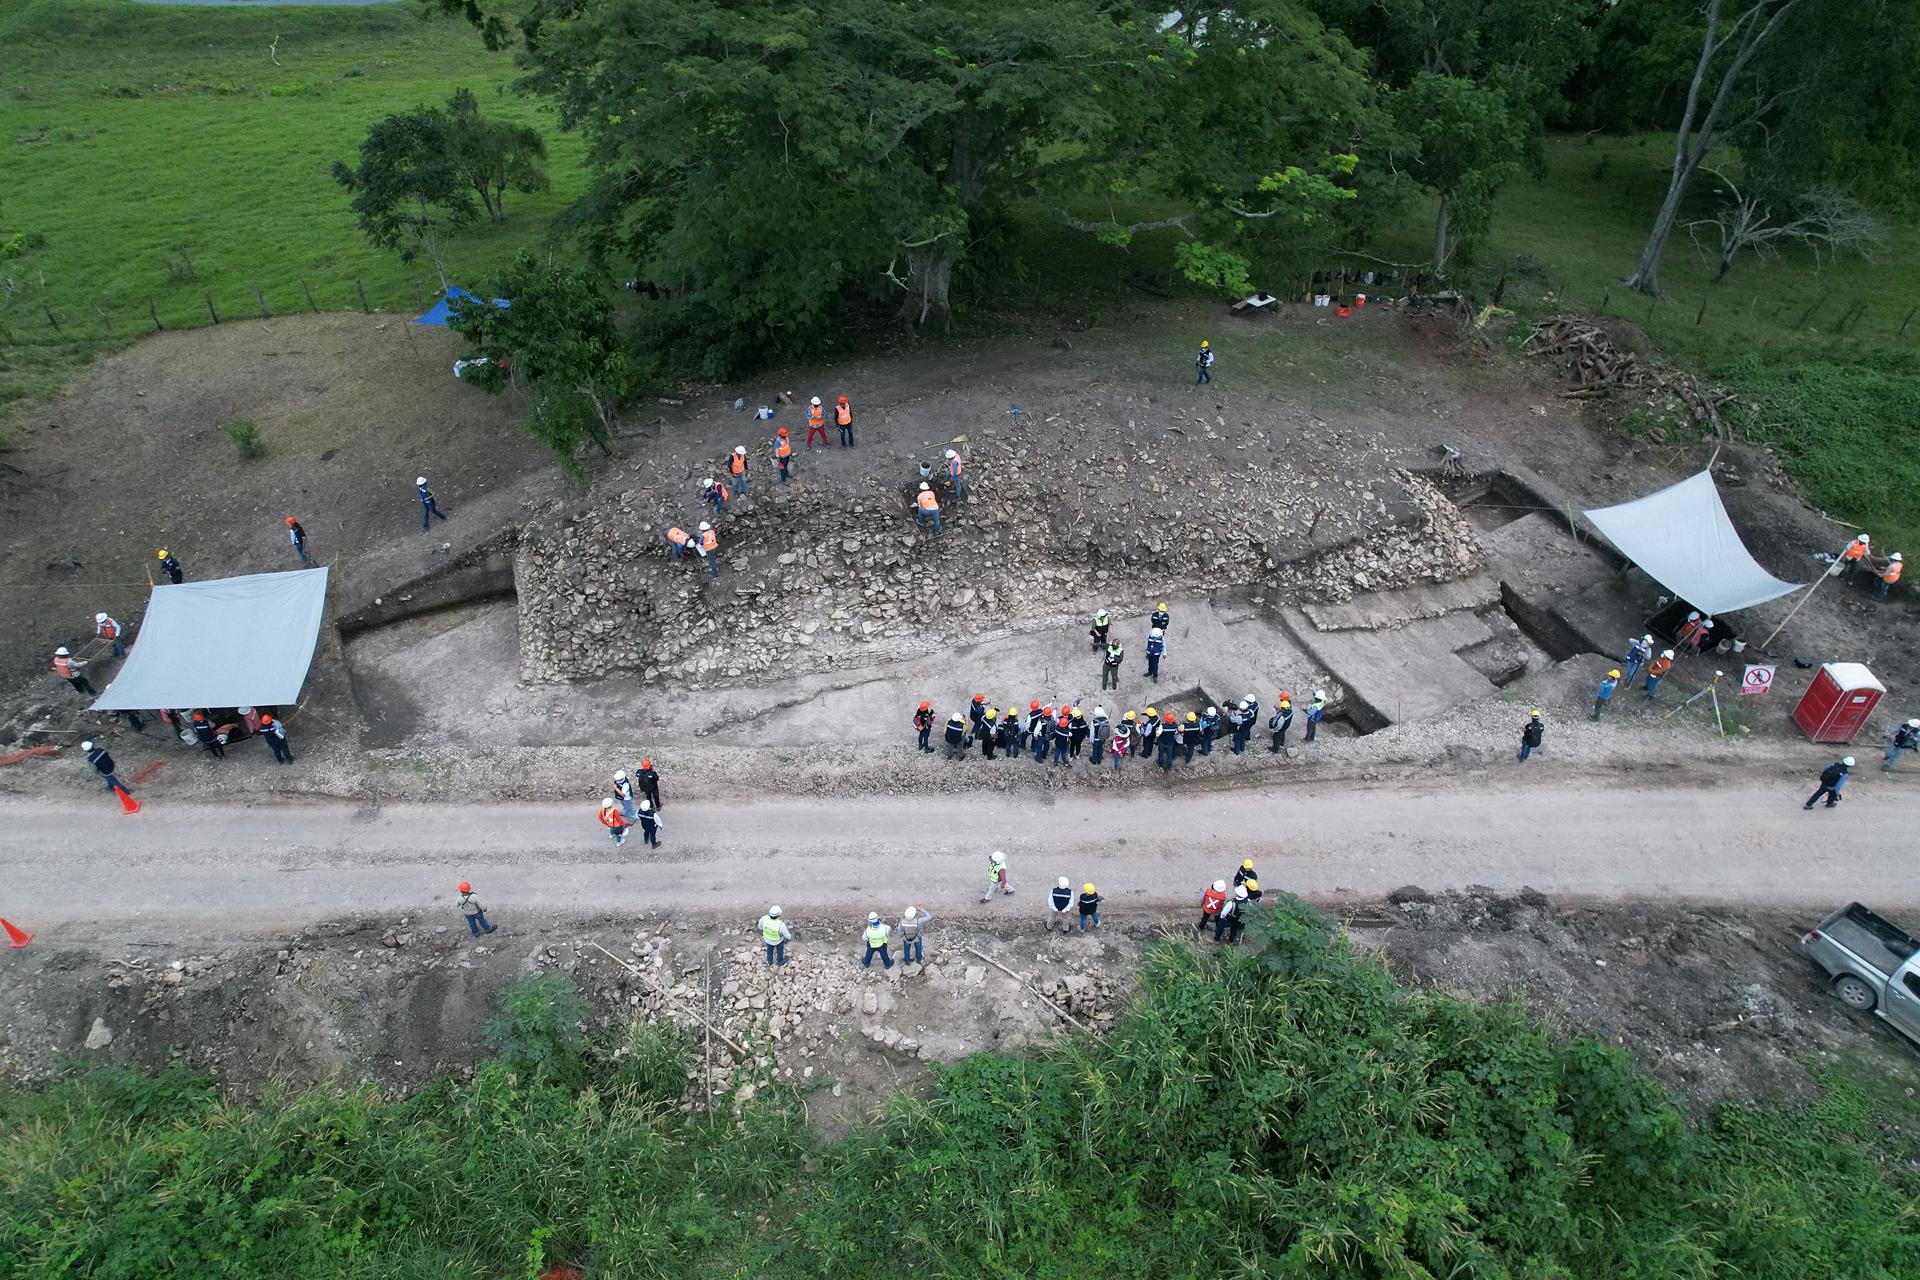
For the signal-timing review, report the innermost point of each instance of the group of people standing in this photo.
(1060, 734)
(624, 809)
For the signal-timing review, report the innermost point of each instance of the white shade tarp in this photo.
(1683, 539)
(233, 642)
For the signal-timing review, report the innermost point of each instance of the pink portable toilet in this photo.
(1841, 698)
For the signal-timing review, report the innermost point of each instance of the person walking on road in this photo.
(429, 509)
(613, 820)
(1531, 734)
(1203, 363)
(298, 536)
(109, 630)
(170, 565)
(1656, 671)
(1603, 696)
(477, 922)
(1059, 903)
(103, 765)
(774, 932)
(923, 725)
(913, 935)
(997, 881)
(275, 732)
(1832, 779)
(1210, 904)
(648, 780)
(67, 667)
(650, 824)
(876, 936)
(1903, 739)
(1089, 906)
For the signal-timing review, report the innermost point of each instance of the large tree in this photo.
(1468, 139)
(407, 192)
(493, 156)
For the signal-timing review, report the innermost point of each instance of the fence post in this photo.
(419, 298)
(363, 297)
(155, 313)
(261, 298)
(1701, 314)
(1906, 322)
(50, 320)
(1606, 296)
(309, 292)
(1500, 290)
(210, 310)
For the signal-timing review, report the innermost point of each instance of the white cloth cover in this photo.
(1682, 537)
(234, 642)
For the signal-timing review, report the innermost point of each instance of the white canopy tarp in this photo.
(1682, 537)
(234, 642)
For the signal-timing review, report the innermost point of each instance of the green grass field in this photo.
(156, 155)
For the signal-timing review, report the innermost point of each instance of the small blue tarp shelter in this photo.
(438, 313)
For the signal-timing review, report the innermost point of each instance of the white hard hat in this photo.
(1913, 724)
(619, 775)
(816, 400)
(1894, 556)
(99, 617)
(607, 803)
(705, 527)
(708, 481)
(1245, 703)
(1865, 538)
(1319, 693)
(61, 652)
(1099, 711)
(1705, 623)
(914, 909)
(1666, 653)
(1646, 639)
(1240, 892)
(88, 746)
(873, 917)
(1847, 761)
(740, 449)
(419, 479)
(1213, 711)
(1152, 631)
(952, 454)
(1065, 883)
(1220, 885)
(1693, 617)
(997, 856)
(924, 486)
(646, 806)
(774, 910)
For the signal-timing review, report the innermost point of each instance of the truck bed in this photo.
(1875, 939)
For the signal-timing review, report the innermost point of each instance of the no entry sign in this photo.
(1759, 679)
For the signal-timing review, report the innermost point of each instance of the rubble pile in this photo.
(1061, 516)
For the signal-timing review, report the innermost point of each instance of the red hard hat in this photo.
(926, 706)
(291, 520)
(198, 716)
(465, 887)
(843, 399)
(646, 764)
(1033, 706)
(265, 718)
(979, 697)
(1168, 717)
(783, 431)
(1284, 694)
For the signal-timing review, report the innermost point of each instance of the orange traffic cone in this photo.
(127, 803)
(15, 937)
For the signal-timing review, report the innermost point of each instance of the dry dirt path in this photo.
(87, 871)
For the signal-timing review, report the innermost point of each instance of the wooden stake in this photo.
(363, 297)
(635, 970)
(1906, 322)
(1701, 314)
(155, 313)
(50, 320)
(210, 310)
(1036, 991)
(261, 298)
(308, 289)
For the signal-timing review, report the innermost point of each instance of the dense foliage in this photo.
(1282, 1111)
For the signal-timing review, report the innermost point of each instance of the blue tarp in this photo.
(438, 313)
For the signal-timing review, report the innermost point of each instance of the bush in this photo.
(538, 1026)
(246, 439)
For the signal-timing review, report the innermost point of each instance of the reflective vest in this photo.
(63, 667)
(709, 541)
(1893, 571)
(928, 502)
(737, 463)
(953, 466)
(1855, 550)
(612, 817)
(783, 449)
(108, 628)
(815, 418)
(843, 414)
(1659, 667)
(1210, 904)
(678, 536)
(994, 871)
(877, 935)
(771, 931)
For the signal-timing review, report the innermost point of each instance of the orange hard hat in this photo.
(783, 431)
(291, 520)
(199, 715)
(1168, 717)
(843, 399)
(1285, 696)
(265, 718)
(1033, 706)
(979, 697)
(646, 764)
(926, 706)
(465, 887)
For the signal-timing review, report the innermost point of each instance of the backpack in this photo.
(1831, 774)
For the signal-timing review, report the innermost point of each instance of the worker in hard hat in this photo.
(1089, 906)
(1110, 664)
(843, 419)
(623, 792)
(429, 509)
(926, 510)
(1888, 576)
(1203, 363)
(1902, 740)
(956, 468)
(1211, 901)
(783, 454)
(1123, 740)
(913, 938)
(67, 667)
(109, 630)
(613, 820)
(1832, 779)
(1156, 650)
(1854, 555)
(1532, 733)
(1316, 712)
(1059, 903)
(988, 732)
(1190, 736)
(170, 565)
(1639, 653)
(876, 935)
(650, 823)
(1076, 732)
(816, 423)
(1161, 618)
(297, 535)
(715, 493)
(957, 734)
(1603, 696)
(774, 932)
(1097, 633)
(1279, 722)
(737, 470)
(923, 725)
(1231, 920)
(708, 548)
(997, 881)
(102, 763)
(648, 780)
(1657, 669)
(1099, 734)
(1167, 739)
(1245, 873)
(477, 922)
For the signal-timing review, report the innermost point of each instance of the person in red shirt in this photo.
(1210, 903)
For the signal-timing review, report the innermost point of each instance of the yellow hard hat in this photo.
(1536, 713)
(1252, 884)
(1130, 716)
(1205, 343)
(1163, 606)
(1614, 674)
(1153, 711)
(161, 554)
(1087, 887)
(1191, 717)
(1246, 864)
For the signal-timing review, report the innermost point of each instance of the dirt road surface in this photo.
(90, 871)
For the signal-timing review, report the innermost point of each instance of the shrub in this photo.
(246, 439)
(538, 1026)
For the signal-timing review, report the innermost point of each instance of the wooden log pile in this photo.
(1598, 367)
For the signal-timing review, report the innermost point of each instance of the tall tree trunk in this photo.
(1440, 233)
(932, 268)
(1646, 275)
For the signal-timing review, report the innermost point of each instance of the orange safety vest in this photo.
(709, 541)
(1893, 571)
(928, 502)
(1855, 550)
(1659, 666)
(63, 667)
(613, 819)
(107, 630)
(678, 536)
(843, 414)
(815, 418)
(784, 449)
(953, 466)
(736, 463)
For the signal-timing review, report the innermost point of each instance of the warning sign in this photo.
(1759, 679)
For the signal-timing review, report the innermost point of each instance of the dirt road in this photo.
(89, 871)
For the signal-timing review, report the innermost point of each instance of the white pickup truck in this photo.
(1875, 965)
